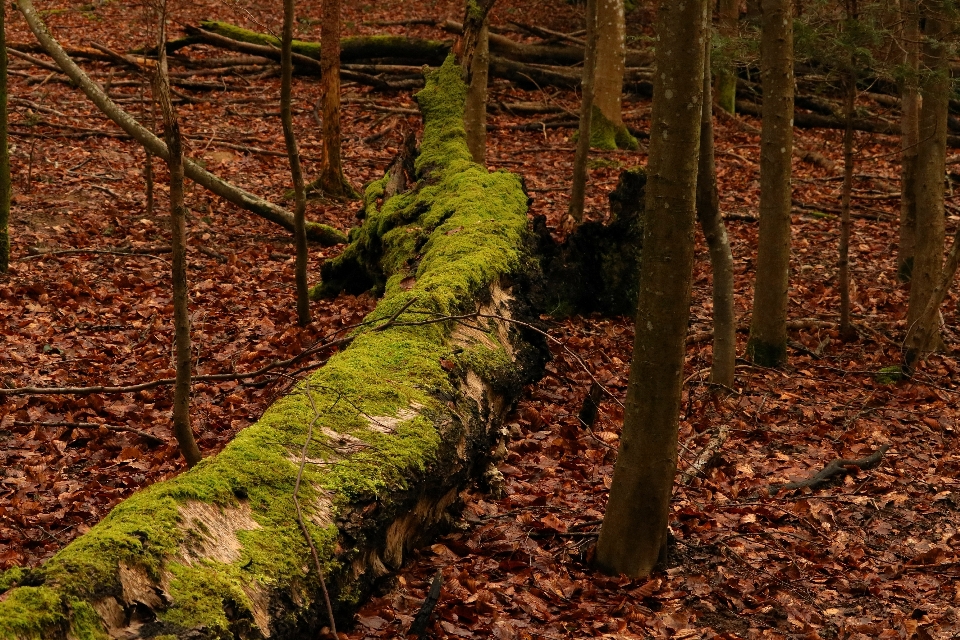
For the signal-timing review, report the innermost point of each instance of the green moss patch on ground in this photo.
(469, 228)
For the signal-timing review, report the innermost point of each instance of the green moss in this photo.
(606, 135)
(767, 354)
(441, 246)
(10, 577)
(890, 375)
(351, 47)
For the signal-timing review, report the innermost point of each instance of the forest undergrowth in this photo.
(875, 554)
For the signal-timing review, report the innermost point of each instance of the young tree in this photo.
(931, 165)
(331, 180)
(4, 151)
(634, 527)
(475, 108)
(607, 130)
(299, 190)
(729, 14)
(579, 188)
(767, 345)
(910, 136)
(178, 240)
(715, 233)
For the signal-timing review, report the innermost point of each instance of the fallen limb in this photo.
(840, 466)
(706, 457)
(95, 426)
(320, 232)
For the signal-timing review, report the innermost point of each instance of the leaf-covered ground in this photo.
(875, 555)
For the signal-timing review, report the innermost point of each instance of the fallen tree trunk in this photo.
(155, 146)
(401, 420)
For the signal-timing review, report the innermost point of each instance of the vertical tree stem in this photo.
(579, 188)
(178, 241)
(289, 137)
(4, 151)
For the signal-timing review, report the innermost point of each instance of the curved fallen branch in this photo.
(322, 233)
(837, 467)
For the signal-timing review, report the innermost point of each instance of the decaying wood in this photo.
(837, 467)
(706, 457)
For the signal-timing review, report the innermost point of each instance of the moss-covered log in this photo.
(352, 48)
(401, 420)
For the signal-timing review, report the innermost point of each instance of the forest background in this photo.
(875, 556)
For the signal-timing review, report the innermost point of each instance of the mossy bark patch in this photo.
(217, 552)
(351, 47)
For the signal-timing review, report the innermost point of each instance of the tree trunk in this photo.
(910, 138)
(331, 180)
(768, 328)
(921, 332)
(634, 531)
(578, 190)
(320, 232)
(930, 168)
(607, 130)
(178, 241)
(847, 332)
(398, 431)
(729, 11)
(290, 139)
(4, 151)
(475, 113)
(715, 233)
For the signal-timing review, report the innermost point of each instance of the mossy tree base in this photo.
(401, 421)
(606, 135)
(597, 268)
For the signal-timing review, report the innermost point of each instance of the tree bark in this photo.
(930, 168)
(320, 232)
(475, 112)
(767, 345)
(726, 81)
(4, 151)
(715, 233)
(634, 530)
(607, 130)
(178, 241)
(579, 188)
(331, 180)
(296, 173)
(910, 138)
(921, 333)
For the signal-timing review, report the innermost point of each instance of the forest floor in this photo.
(87, 301)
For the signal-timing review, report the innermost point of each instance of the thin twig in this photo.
(296, 502)
(93, 425)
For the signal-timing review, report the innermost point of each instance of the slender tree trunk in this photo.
(921, 332)
(331, 181)
(910, 138)
(930, 169)
(4, 151)
(468, 46)
(768, 329)
(715, 233)
(607, 130)
(475, 109)
(729, 14)
(634, 531)
(579, 189)
(299, 190)
(847, 332)
(178, 240)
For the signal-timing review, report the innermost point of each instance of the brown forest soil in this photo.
(874, 556)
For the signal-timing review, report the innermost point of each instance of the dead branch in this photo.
(94, 425)
(837, 467)
(154, 145)
(706, 457)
